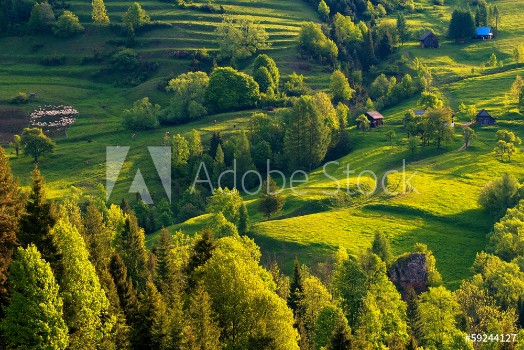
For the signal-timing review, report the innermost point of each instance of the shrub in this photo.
(143, 115)
(20, 98)
(125, 60)
(67, 25)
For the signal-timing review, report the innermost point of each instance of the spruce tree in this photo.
(402, 28)
(340, 339)
(243, 222)
(10, 209)
(369, 58)
(34, 317)
(381, 247)
(37, 221)
(153, 320)
(133, 251)
(204, 330)
(85, 303)
(296, 288)
(99, 14)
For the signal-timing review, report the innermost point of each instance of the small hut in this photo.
(485, 119)
(375, 118)
(484, 33)
(429, 40)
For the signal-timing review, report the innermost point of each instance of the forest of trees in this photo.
(80, 274)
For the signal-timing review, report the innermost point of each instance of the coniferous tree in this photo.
(126, 295)
(202, 252)
(381, 247)
(340, 339)
(10, 209)
(37, 221)
(86, 306)
(204, 331)
(99, 14)
(385, 46)
(402, 28)
(296, 288)
(412, 313)
(153, 320)
(133, 251)
(369, 58)
(34, 317)
(243, 222)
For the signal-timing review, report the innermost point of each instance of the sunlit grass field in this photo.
(443, 212)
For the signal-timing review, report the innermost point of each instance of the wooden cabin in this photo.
(375, 118)
(484, 33)
(429, 40)
(485, 119)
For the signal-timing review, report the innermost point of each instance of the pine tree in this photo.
(204, 330)
(381, 247)
(37, 221)
(218, 165)
(385, 46)
(85, 303)
(340, 339)
(202, 252)
(243, 222)
(10, 208)
(216, 140)
(369, 51)
(133, 251)
(99, 14)
(126, 295)
(34, 317)
(270, 201)
(153, 320)
(296, 288)
(412, 313)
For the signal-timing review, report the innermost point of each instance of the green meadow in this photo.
(440, 210)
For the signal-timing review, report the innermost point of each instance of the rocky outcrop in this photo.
(410, 272)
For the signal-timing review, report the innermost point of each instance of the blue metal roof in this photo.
(484, 31)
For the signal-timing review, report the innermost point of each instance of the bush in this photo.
(125, 60)
(230, 90)
(67, 25)
(53, 60)
(20, 98)
(142, 116)
(499, 195)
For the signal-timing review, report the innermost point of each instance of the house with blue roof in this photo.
(484, 33)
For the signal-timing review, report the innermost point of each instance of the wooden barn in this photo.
(429, 40)
(485, 119)
(375, 118)
(484, 33)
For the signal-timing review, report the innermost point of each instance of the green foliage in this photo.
(462, 25)
(323, 10)
(135, 17)
(131, 247)
(36, 223)
(227, 202)
(429, 100)
(402, 28)
(499, 195)
(203, 332)
(309, 128)
(346, 31)
(243, 220)
(439, 310)
(99, 15)
(143, 115)
(264, 80)
(267, 62)
(180, 151)
(270, 201)
(85, 302)
(230, 89)
(381, 247)
(314, 42)
(295, 85)
(240, 38)
(34, 316)
(506, 144)
(20, 98)
(11, 208)
(505, 240)
(434, 277)
(339, 87)
(125, 60)
(41, 19)
(35, 143)
(242, 295)
(67, 25)
(363, 122)
(153, 320)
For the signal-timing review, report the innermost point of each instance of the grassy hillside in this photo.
(443, 213)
